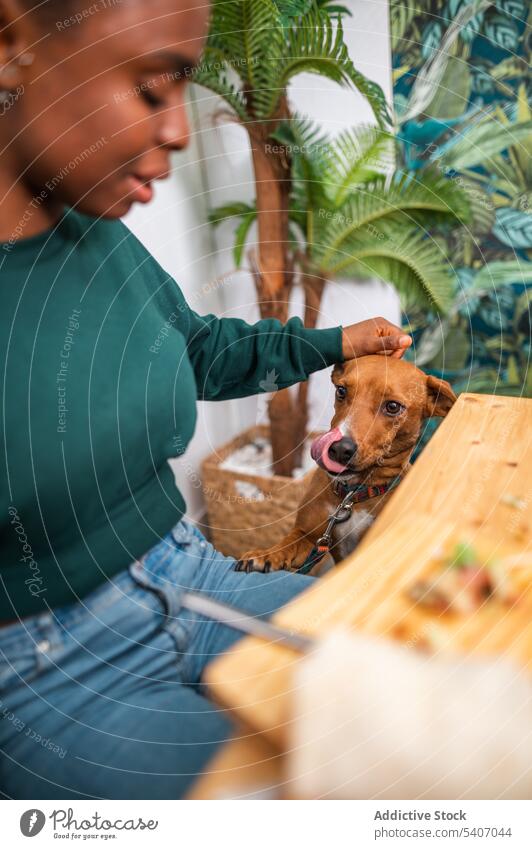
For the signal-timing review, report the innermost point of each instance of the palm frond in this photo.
(244, 33)
(376, 202)
(313, 46)
(333, 9)
(241, 235)
(356, 156)
(263, 39)
(230, 210)
(290, 9)
(237, 209)
(309, 148)
(211, 76)
(225, 30)
(413, 263)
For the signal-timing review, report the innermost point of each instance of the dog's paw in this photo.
(261, 561)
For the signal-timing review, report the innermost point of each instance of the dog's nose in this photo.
(343, 450)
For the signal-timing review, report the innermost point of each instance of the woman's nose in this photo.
(174, 132)
(343, 450)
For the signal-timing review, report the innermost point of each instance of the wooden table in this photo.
(478, 461)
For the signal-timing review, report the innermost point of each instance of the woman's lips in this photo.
(141, 190)
(319, 451)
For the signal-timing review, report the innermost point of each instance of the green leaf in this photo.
(513, 228)
(510, 68)
(481, 205)
(464, 555)
(431, 342)
(501, 31)
(230, 210)
(495, 274)
(455, 352)
(401, 15)
(453, 91)
(429, 77)
(481, 142)
(241, 235)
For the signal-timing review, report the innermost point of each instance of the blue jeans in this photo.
(103, 698)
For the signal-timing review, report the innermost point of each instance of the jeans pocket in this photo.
(167, 598)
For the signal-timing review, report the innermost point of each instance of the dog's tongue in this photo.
(319, 451)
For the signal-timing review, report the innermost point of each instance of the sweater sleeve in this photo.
(232, 359)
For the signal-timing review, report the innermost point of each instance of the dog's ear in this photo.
(440, 397)
(337, 371)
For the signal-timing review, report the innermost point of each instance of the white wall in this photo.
(216, 168)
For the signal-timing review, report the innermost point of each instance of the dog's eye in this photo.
(392, 408)
(341, 392)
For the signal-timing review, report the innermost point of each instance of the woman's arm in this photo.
(232, 358)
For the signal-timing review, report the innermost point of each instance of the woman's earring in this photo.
(24, 60)
(4, 95)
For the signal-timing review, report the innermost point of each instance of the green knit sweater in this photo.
(103, 362)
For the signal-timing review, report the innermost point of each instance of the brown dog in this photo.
(380, 406)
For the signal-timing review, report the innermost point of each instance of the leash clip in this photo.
(341, 514)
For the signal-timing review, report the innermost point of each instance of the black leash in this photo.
(353, 495)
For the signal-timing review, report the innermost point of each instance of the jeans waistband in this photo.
(33, 628)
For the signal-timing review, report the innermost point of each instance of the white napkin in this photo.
(376, 720)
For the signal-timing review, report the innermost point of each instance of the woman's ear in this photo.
(13, 44)
(440, 397)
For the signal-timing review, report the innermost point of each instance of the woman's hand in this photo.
(374, 336)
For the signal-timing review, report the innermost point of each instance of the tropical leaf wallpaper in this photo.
(462, 82)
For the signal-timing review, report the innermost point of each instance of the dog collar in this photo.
(351, 494)
(363, 492)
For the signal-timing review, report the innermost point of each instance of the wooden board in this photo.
(245, 767)
(458, 488)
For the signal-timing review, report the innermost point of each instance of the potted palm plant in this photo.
(325, 208)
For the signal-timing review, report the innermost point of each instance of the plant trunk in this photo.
(313, 287)
(272, 268)
(271, 165)
(281, 407)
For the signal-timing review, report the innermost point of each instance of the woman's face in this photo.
(103, 101)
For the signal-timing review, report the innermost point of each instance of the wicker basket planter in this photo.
(239, 521)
